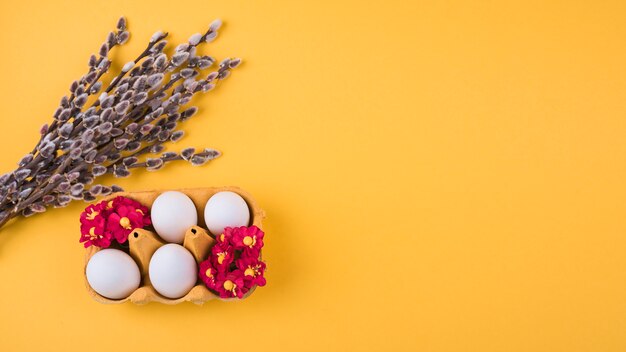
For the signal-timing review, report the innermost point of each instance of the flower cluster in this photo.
(233, 266)
(110, 127)
(115, 219)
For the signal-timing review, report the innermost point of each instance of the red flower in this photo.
(92, 212)
(125, 216)
(233, 266)
(253, 271)
(114, 219)
(92, 227)
(248, 239)
(222, 255)
(208, 274)
(225, 237)
(93, 233)
(229, 285)
(119, 201)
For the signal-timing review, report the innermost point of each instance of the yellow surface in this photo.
(437, 177)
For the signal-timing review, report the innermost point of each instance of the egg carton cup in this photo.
(143, 243)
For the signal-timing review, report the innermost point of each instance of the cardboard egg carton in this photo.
(143, 243)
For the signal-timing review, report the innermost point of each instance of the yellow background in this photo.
(438, 176)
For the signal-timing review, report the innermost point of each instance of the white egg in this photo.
(113, 274)
(225, 209)
(173, 271)
(172, 213)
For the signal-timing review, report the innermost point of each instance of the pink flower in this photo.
(126, 215)
(253, 271)
(229, 285)
(248, 239)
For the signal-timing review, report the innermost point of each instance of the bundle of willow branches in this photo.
(109, 128)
